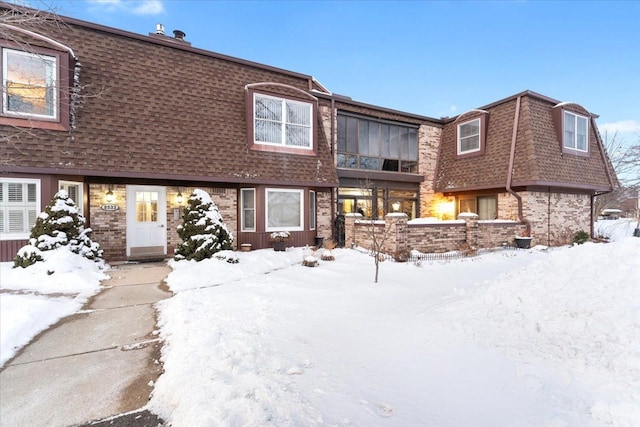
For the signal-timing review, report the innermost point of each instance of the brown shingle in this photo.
(538, 156)
(166, 111)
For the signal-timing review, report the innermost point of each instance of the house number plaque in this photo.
(110, 207)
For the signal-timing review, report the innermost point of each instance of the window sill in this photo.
(576, 153)
(285, 150)
(14, 236)
(33, 123)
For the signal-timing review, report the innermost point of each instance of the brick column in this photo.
(471, 221)
(350, 229)
(398, 231)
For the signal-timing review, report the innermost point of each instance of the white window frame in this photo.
(5, 206)
(574, 142)
(244, 211)
(298, 227)
(64, 185)
(283, 122)
(52, 77)
(478, 135)
(313, 203)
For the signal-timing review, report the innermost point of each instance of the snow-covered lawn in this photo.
(512, 338)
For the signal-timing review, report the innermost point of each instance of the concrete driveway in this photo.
(92, 365)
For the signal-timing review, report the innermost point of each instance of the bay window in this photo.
(248, 214)
(284, 209)
(312, 210)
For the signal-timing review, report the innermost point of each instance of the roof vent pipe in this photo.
(179, 35)
(160, 29)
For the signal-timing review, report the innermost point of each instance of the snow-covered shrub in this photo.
(580, 237)
(228, 256)
(27, 255)
(59, 225)
(202, 231)
(327, 255)
(310, 261)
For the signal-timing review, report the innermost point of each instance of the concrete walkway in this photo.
(94, 364)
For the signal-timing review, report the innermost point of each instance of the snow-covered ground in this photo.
(34, 298)
(510, 338)
(615, 229)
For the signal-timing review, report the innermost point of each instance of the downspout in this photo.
(606, 168)
(334, 202)
(510, 171)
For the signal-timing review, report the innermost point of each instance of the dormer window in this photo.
(35, 87)
(469, 137)
(29, 85)
(575, 132)
(283, 122)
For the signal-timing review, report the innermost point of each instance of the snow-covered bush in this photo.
(310, 261)
(27, 255)
(580, 237)
(327, 255)
(202, 231)
(59, 225)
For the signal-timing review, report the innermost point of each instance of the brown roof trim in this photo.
(347, 100)
(528, 93)
(559, 185)
(469, 189)
(518, 186)
(164, 177)
(169, 42)
(379, 175)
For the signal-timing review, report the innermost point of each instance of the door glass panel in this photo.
(146, 206)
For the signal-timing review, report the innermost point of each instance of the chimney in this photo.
(160, 29)
(179, 35)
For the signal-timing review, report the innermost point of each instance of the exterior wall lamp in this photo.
(396, 206)
(179, 198)
(109, 197)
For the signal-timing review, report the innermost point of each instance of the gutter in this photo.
(512, 155)
(41, 37)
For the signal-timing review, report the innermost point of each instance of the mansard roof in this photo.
(538, 157)
(155, 107)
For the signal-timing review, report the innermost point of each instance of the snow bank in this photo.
(615, 230)
(216, 271)
(574, 317)
(34, 298)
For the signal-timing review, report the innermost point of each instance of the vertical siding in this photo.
(9, 249)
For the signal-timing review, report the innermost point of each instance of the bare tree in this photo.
(625, 160)
(377, 231)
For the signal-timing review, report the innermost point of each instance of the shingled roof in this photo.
(161, 109)
(539, 159)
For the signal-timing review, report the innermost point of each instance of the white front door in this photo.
(146, 221)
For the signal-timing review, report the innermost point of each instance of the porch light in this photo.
(395, 206)
(109, 197)
(179, 198)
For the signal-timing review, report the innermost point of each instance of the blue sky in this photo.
(435, 58)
